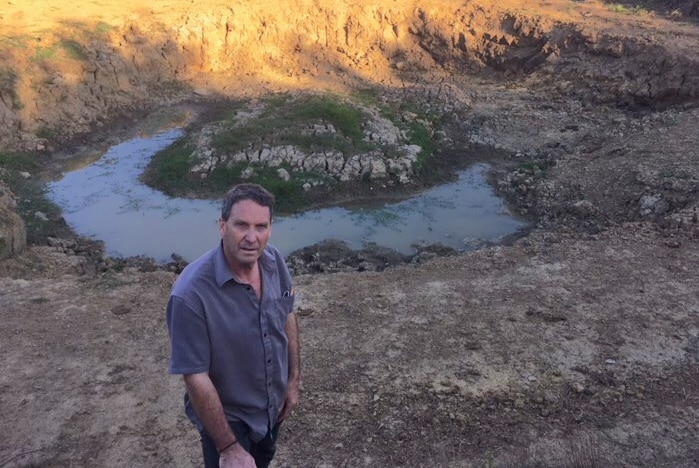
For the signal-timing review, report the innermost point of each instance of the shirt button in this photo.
(269, 361)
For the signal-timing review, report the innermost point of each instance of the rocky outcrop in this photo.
(381, 151)
(13, 234)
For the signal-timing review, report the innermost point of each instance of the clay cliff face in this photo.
(59, 82)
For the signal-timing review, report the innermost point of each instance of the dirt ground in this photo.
(575, 346)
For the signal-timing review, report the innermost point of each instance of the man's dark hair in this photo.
(241, 192)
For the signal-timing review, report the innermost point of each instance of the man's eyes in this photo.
(258, 227)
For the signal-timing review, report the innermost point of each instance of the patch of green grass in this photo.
(45, 53)
(31, 196)
(46, 133)
(421, 136)
(73, 49)
(169, 168)
(102, 28)
(344, 117)
(634, 10)
(289, 194)
(367, 96)
(530, 166)
(69, 47)
(277, 100)
(285, 121)
(14, 162)
(417, 129)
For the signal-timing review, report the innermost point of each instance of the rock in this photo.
(247, 173)
(283, 174)
(25, 175)
(653, 204)
(578, 387)
(378, 169)
(120, 310)
(582, 209)
(673, 244)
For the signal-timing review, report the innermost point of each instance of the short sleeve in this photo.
(189, 338)
(285, 284)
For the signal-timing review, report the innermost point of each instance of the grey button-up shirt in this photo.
(217, 325)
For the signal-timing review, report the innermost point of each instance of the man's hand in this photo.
(291, 400)
(236, 457)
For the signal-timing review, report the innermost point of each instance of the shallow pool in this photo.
(106, 201)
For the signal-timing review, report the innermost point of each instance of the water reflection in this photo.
(107, 201)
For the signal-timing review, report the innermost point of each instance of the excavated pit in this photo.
(575, 345)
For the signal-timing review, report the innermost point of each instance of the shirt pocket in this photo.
(283, 307)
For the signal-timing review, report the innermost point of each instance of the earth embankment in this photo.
(84, 65)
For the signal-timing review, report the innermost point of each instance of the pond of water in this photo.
(106, 201)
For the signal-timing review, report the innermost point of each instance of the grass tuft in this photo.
(31, 196)
(169, 168)
(634, 10)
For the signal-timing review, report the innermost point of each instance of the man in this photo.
(234, 337)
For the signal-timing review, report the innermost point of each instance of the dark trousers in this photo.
(262, 451)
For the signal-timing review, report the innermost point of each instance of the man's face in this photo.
(246, 233)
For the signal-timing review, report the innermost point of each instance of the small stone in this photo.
(24, 175)
(283, 174)
(610, 361)
(583, 209)
(120, 310)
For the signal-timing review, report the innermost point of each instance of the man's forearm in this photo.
(207, 405)
(292, 334)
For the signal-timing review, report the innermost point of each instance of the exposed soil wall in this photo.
(64, 81)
